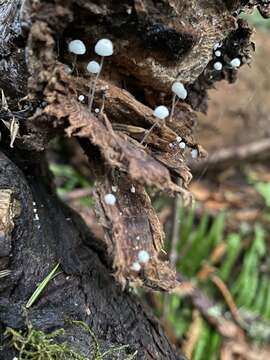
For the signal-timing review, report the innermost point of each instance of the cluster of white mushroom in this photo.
(161, 112)
(218, 66)
(103, 48)
(143, 258)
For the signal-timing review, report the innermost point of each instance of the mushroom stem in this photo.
(74, 64)
(173, 106)
(90, 91)
(149, 131)
(94, 85)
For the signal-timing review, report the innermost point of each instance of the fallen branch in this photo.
(233, 155)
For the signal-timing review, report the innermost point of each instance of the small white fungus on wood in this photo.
(104, 47)
(235, 63)
(194, 153)
(136, 266)
(110, 199)
(182, 145)
(77, 47)
(179, 90)
(143, 256)
(218, 66)
(93, 67)
(161, 112)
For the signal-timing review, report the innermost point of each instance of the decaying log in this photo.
(83, 291)
(155, 43)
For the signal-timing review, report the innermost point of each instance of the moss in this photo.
(36, 345)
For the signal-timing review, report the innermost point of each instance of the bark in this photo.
(155, 43)
(84, 291)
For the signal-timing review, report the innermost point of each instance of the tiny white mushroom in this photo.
(218, 66)
(235, 63)
(93, 67)
(178, 139)
(114, 188)
(179, 90)
(81, 98)
(182, 145)
(132, 189)
(218, 53)
(110, 199)
(136, 266)
(77, 47)
(194, 153)
(97, 110)
(160, 112)
(36, 218)
(143, 256)
(103, 48)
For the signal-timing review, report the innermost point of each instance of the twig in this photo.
(205, 306)
(176, 227)
(233, 155)
(174, 242)
(227, 297)
(77, 194)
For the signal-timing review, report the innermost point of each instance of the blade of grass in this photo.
(41, 287)
(4, 273)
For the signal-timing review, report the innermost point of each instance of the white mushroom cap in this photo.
(216, 46)
(178, 139)
(81, 98)
(110, 199)
(218, 53)
(179, 89)
(218, 66)
(194, 153)
(93, 67)
(104, 47)
(235, 63)
(143, 256)
(77, 47)
(182, 145)
(136, 266)
(161, 112)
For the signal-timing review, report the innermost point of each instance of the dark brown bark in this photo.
(84, 291)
